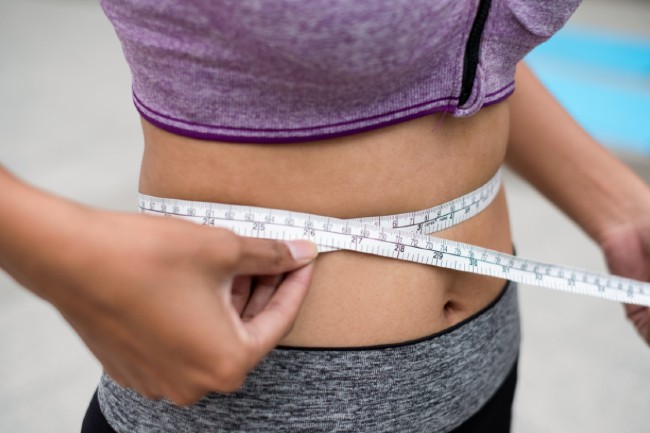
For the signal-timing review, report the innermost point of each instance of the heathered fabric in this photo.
(292, 70)
(429, 385)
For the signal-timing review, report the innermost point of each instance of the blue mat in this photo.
(603, 80)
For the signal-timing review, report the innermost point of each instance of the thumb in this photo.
(272, 257)
(275, 321)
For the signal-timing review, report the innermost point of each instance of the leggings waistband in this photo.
(431, 385)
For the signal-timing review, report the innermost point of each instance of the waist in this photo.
(358, 299)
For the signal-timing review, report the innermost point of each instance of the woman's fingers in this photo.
(262, 290)
(640, 318)
(271, 257)
(270, 325)
(268, 260)
(240, 293)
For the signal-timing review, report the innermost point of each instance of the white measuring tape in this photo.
(403, 237)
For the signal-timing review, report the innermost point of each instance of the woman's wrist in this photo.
(619, 207)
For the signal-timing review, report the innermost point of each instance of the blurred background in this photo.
(67, 125)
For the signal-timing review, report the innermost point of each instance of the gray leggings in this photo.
(433, 384)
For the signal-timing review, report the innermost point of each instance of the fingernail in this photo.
(302, 250)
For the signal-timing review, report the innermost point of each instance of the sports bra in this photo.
(268, 71)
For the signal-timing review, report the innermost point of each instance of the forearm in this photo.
(36, 233)
(552, 152)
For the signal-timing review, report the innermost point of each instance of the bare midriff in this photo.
(358, 299)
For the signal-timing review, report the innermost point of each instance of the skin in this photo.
(156, 300)
(357, 299)
(602, 195)
(175, 310)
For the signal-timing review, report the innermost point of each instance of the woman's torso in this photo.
(251, 71)
(357, 299)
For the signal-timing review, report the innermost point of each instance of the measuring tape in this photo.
(404, 237)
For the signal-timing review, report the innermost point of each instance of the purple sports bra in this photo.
(295, 70)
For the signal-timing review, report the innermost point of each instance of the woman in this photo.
(355, 301)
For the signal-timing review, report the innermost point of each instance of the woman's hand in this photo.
(162, 303)
(627, 251)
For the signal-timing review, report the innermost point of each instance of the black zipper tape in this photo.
(472, 51)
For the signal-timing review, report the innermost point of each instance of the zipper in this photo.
(472, 50)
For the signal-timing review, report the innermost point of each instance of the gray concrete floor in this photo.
(67, 125)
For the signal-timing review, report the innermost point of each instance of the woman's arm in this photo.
(609, 201)
(165, 305)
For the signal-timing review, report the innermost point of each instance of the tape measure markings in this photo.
(406, 242)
